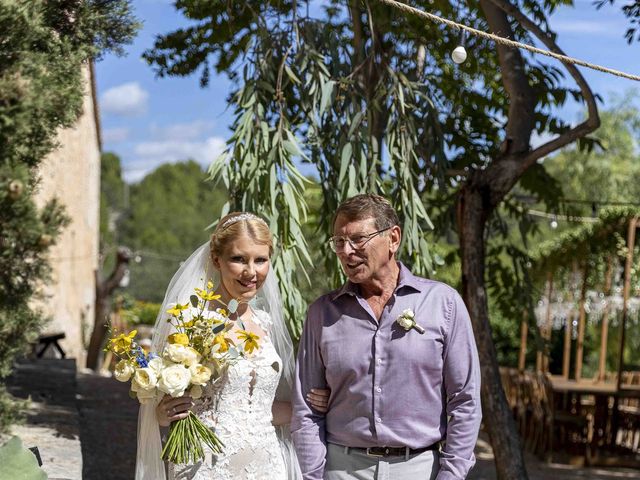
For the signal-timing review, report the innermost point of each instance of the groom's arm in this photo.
(462, 385)
(308, 426)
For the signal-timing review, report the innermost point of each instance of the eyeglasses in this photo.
(357, 242)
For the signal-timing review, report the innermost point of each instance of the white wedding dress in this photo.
(238, 408)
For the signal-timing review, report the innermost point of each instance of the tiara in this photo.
(238, 218)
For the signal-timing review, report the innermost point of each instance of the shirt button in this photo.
(378, 389)
(379, 420)
(379, 361)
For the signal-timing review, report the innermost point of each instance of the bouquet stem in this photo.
(185, 441)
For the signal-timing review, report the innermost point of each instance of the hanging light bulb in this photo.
(554, 222)
(459, 53)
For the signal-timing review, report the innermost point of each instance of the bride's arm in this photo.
(281, 411)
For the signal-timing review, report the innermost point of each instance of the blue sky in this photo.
(148, 121)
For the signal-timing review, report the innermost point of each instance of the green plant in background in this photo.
(44, 47)
(141, 313)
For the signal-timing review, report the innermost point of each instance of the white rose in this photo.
(146, 378)
(123, 371)
(144, 395)
(181, 354)
(192, 356)
(144, 391)
(195, 392)
(200, 374)
(156, 364)
(405, 322)
(175, 380)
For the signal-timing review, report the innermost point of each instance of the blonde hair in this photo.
(236, 224)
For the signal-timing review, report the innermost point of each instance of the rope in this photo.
(506, 41)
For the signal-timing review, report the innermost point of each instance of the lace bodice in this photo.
(238, 408)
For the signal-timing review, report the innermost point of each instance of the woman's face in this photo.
(243, 267)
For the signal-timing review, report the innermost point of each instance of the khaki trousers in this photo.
(347, 464)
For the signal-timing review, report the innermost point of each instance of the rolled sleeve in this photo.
(307, 427)
(461, 376)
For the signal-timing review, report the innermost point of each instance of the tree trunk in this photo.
(103, 299)
(472, 216)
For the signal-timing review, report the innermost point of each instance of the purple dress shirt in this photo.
(389, 386)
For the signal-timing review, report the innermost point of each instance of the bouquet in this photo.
(199, 352)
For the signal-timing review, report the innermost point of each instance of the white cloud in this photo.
(128, 99)
(150, 155)
(115, 135)
(182, 131)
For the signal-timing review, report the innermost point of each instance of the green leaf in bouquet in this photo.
(219, 328)
(232, 306)
(194, 301)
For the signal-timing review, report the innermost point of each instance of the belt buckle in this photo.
(371, 454)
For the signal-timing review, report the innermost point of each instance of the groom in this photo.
(397, 352)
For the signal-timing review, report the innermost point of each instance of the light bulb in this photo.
(554, 224)
(459, 54)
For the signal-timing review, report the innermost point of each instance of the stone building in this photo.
(72, 174)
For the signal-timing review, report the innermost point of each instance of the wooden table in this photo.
(604, 424)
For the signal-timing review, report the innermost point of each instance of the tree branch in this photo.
(593, 120)
(521, 116)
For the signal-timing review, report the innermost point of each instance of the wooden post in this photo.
(604, 326)
(631, 240)
(581, 322)
(548, 324)
(524, 328)
(568, 331)
(566, 352)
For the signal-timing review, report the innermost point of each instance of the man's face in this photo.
(361, 265)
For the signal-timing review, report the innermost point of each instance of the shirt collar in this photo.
(406, 279)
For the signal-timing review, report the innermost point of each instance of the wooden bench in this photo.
(47, 340)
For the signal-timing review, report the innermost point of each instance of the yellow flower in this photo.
(210, 285)
(122, 343)
(207, 296)
(250, 340)
(222, 341)
(179, 338)
(177, 308)
(222, 311)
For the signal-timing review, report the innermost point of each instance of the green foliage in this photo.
(18, 462)
(144, 313)
(12, 410)
(44, 47)
(166, 220)
(112, 207)
(370, 98)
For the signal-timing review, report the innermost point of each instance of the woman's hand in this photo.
(171, 409)
(319, 399)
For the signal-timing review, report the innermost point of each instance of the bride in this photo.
(249, 408)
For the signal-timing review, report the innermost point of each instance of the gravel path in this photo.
(108, 424)
(106, 421)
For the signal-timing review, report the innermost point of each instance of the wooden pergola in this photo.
(573, 251)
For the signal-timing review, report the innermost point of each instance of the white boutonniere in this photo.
(407, 320)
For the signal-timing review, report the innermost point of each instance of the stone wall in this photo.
(72, 174)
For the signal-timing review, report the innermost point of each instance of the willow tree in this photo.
(370, 98)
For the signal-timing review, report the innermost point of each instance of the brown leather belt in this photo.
(394, 451)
